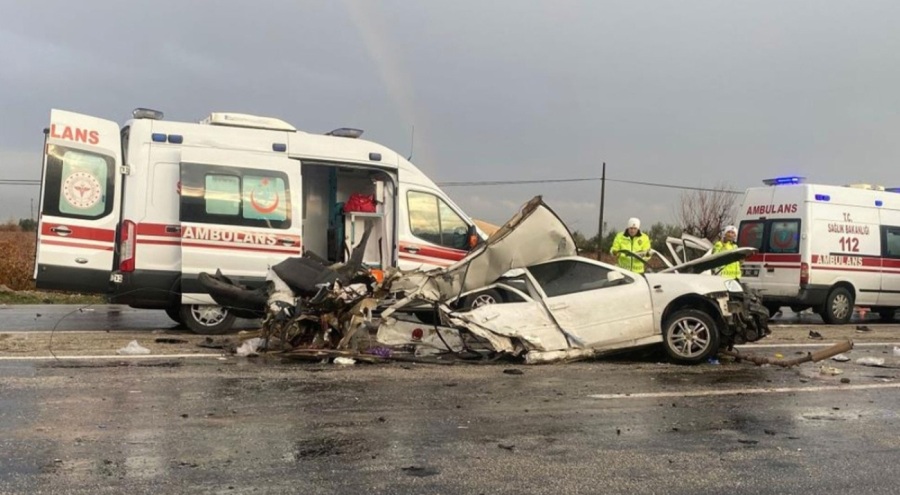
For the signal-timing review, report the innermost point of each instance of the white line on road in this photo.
(143, 356)
(743, 391)
(820, 344)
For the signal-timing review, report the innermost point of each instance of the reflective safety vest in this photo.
(731, 270)
(636, 244)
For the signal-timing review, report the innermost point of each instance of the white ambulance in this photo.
(824, 247)
(138, 212)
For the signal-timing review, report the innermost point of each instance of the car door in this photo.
(80, 203)
(591, 307)
(240, 213)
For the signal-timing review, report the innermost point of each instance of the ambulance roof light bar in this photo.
(781, 181)
(229, 119)
(346, 132)
(146, 113)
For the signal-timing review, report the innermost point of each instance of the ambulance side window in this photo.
(891, 242)
(431, 219)
(751, 234)
(79, 184)
(234, 196)
(784, 236)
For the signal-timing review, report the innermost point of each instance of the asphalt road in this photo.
(107, 317)
(237, 425)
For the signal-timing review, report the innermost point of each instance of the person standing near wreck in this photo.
(631, 239)
(728, 242)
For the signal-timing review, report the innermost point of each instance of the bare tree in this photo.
(705, 213)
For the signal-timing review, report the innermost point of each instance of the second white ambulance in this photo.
(829, 248)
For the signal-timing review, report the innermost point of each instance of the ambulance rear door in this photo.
(240, 213)
(771, 222)
(80, 203)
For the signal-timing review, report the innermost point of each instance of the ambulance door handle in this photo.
(173, 229)
(411, 249)
(62, 230)
(287, 242)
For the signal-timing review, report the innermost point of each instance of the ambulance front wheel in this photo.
(207, 319)
(838, 306)
(174, 312)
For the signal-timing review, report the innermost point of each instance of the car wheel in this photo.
(174, 312)
(838, 306)
(690, 336)
(206, 319)
(482, 298)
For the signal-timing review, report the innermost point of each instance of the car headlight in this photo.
(732, 285)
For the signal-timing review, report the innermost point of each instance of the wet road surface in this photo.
(236, 425)
(107, 317)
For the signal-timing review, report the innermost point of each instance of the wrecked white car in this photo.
(560, 306)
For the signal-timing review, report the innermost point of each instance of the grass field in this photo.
(17, 268)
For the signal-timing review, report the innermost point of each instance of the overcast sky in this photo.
(681, 92)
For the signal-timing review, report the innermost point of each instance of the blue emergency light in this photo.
(780, 181)
(823, 197)
(878, 202)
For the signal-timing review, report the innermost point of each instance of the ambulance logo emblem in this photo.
(82, 190)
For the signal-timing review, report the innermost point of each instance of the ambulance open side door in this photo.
(81, 197)
(240, 213)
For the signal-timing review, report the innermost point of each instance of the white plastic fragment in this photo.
(344, 361)
(828, 370)
(896, 351)
(870, 361)
(133, 349)
(841, 358)
(250, 347)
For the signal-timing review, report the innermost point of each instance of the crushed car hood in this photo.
(712, 261)
(533, 235)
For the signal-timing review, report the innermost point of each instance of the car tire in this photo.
(174, 312)
(690, 336)
(482, 298)
(206, 319)
(838, 306)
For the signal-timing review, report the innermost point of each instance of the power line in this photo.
(583, 179)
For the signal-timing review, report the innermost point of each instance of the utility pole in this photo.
(602, 199)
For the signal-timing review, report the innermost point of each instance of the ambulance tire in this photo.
(838, 306)
(207, 319)
(773, 308)
(174, 312)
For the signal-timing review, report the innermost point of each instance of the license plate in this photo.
(750, 272)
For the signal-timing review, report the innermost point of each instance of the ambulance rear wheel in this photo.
(207, 319)
(838, 306)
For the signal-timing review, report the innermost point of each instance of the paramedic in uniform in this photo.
(729, 242)
(632, 239)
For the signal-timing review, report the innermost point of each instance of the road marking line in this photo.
(821, 344)
(743, 391)
(71, 358)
